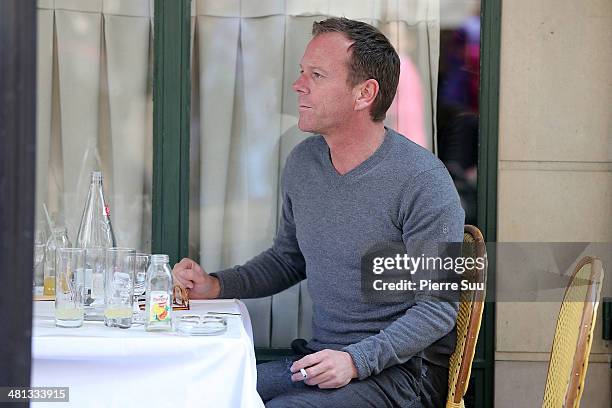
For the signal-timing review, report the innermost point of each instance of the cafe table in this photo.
(112, 367)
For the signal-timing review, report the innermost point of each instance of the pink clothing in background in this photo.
(407, 109)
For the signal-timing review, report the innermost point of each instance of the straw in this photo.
(49, 222)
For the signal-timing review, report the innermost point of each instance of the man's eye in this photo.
(317, 75)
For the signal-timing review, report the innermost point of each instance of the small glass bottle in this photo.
(158, 315)
(40, 243)
(58, 239)
(95, 235)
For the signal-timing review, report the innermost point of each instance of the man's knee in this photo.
(273, 378)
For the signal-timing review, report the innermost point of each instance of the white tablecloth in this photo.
(111, 367)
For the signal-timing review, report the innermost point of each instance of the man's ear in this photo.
(366, 94)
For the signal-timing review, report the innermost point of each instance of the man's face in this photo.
(325, 100)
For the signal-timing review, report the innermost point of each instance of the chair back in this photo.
(571, 346)
(469, 317)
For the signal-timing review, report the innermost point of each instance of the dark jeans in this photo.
(412, 384)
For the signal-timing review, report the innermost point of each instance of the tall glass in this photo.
(58, 239)
(69, 287)
(95, 260)
(140, 283)
(119, 287)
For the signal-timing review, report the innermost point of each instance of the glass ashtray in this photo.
(196, 325)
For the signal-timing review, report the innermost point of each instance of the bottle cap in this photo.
(160, 258)
(60, 230)
(96, 176)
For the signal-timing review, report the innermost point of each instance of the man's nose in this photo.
(299, 85)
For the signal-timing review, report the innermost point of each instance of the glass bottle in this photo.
(158, 314)
(58, 239)
(40, 244)
(95, 236)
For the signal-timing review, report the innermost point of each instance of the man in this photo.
(352, 185)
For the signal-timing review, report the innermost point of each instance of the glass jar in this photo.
(158, 315)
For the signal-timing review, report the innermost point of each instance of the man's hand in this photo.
(191, 275)
(325, 368)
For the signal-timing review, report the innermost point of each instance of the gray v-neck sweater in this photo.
(402, 193)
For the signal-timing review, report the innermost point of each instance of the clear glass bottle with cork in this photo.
(95, 236)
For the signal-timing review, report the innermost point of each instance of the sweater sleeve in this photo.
(430, 211)
(272, 271)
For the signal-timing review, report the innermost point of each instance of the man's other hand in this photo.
(326, 369)
(191, 275)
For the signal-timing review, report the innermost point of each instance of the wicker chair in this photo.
(468, 321)
(573, 336)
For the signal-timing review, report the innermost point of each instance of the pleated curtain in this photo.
(245, 56)
(94, 111)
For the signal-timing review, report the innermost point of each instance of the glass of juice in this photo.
(69, 287)
(119, 287)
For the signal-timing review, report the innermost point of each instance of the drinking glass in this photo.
(69, 287)
(140, 283)
(95, 259)
(39, 258)
(119, 287)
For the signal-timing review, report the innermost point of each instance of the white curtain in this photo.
(244, 115)
(94, 111)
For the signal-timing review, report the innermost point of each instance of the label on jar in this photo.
(160, 307)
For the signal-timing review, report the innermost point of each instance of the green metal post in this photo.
(171, 97)
(487, 185)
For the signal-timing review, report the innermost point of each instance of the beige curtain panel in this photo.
(245, 57)
(95, 111)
